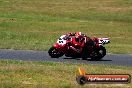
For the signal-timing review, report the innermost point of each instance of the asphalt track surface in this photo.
(113, 59)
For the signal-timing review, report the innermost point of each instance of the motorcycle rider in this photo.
(80, 41)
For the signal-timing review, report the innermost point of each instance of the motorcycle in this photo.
(63, 47)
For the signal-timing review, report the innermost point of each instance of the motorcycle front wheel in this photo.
(53, 52)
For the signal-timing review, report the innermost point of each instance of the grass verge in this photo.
(28, 74)
(35, 25)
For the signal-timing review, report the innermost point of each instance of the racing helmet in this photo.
(78, 36)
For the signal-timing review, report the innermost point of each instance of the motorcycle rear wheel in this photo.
(102, 51)
(53, 52)
(99, 54)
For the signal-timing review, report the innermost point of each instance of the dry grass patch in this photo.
(17, 74)
(35, 25)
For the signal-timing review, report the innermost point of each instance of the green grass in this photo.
(27, 74)
(35, 25)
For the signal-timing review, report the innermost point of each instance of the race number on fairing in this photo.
(61, 40)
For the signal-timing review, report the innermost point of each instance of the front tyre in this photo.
(53, 52)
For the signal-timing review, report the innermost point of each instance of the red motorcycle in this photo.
(63, 47)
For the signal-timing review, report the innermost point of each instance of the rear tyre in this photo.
(96, 57)
(99, 54)
(53, 52)
(102, 51)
